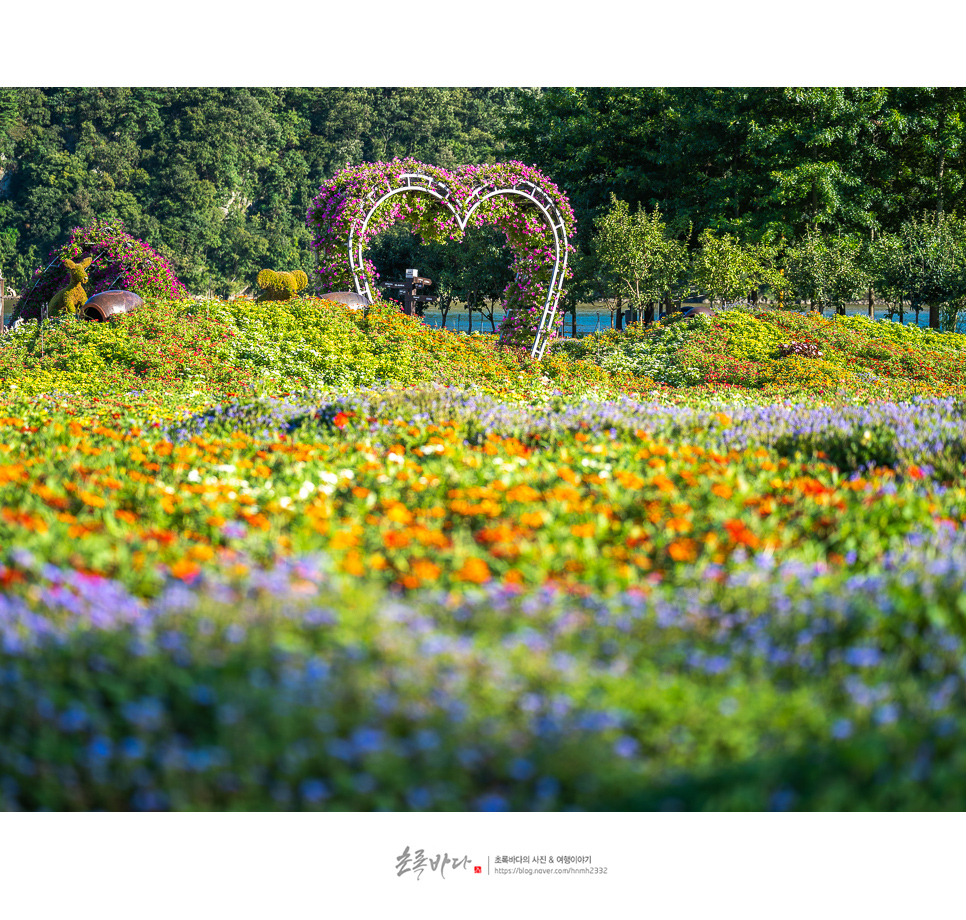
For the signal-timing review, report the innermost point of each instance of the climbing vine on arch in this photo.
(338, 216)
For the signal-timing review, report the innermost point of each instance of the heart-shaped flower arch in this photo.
(535, 216)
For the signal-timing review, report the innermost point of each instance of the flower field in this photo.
(288, 556)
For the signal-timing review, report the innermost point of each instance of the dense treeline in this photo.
(219, 180)
(216, 180)
(755, 162)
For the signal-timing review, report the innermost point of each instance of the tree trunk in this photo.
(933, 316)
(649, 313)
(871, 304)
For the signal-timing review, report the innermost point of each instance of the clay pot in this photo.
(350, 298)
(109, 303)
(696, 310)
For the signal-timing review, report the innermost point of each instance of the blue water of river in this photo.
(589, 321)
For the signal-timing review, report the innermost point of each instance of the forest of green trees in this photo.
(219, 180)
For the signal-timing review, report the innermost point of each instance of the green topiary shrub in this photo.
(68, 299)
(280, 285)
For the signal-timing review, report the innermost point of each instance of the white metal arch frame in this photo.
(420, 182)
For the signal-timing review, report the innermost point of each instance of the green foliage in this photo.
(637, 251)
(281, 285)
(278, 346)
(828, 271)
(925, 263)
(218, 180)
(727, 269)
(70, 299)
(751, 160)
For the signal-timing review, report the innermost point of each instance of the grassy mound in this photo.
(861, 360)
(225, 348)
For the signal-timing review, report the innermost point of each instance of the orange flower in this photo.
(257, 520)
(395, 539)
(522, 493)
(89, 498)
(343, 539)
(629, 480)
(25, 519)
(721, 490)
(127, 516)
(740, 534)
(678, 525)
(340, 419)
(683, 550)
(399, 514)
(352, 563)
(185, 570)
(474, 570)
(582, 530)
(425, 570)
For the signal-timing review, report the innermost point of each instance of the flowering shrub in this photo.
(277, 347)
(342, 203)
(118, 261)
(801, 349)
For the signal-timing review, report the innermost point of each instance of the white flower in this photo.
(306, 490)
(330, 478)
(285, 501)
(194, 476)
(394, 458)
